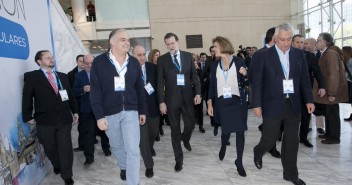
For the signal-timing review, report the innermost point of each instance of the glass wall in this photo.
(332, 16)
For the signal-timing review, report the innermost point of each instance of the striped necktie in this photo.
(52, 81)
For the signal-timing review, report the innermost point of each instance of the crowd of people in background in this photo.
(126, 98)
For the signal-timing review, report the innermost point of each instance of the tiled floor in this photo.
(323, 164)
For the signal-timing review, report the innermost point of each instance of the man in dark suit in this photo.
(150, 129)
(50, 93)
(314, 72)
(279, 81)
(269, 42)
(71, 77)
(202, 69)
(81, 89)
(176, 72)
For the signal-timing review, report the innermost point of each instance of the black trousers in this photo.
(103, 137)
(305, 119)
(290, 141)
(148, 133)
(199, 113)
(174, 114)
(332, 121)
(88, 134)
(56, 140)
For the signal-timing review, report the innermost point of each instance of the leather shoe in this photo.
(107, 152)
(306, 143)
(69, 181)
(222, 152)
(153, 152)
(57, 170)
(178, 166)
(297, 181)
(215, 131)
(320, 131)
(149, 172)
(201, 129)
(323, 136)
(123, 175)
(161, 131)
(89, 161)
(275, 153)
(258, 163)
(157, 138)
(240, 170)
(78, 149)
(187, 145)
(330, 141)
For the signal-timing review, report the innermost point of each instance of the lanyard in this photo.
(123, 67)
(58, 79)
(285, 68)
(225, 74)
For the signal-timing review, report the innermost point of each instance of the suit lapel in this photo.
(276, 62)
(292, 62)
(44, 80)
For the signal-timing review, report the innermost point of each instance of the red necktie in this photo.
(52, 81)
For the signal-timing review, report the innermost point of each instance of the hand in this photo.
(210, 110)
(321, 93)
(75, 118)
(86, 88)
(163, 108)
(331, 98)
(310, 107)
(32, 122)
(102, 124)
(257, 111)
(243, 71)
(197, 99)
(142, 119)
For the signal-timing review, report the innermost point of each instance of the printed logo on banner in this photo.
(13, 40)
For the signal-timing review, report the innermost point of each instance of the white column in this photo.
(79, 11)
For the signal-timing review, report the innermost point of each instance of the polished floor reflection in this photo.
(320, 165)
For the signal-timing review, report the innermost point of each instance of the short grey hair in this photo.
(283, 27)
(115, 31)
(136, 46)
(311, 40)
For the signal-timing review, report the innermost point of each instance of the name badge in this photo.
(63, 95)
(288, 86)
(226, 90)
(180, 79)
(149, 88)
(119, 83)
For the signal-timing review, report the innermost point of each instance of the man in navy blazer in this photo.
(279, 81)
(81, 89)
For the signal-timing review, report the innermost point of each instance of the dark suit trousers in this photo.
(56, 140)
(148, 131)
(103, 137)
(174, 114)
(88, 134)
(79, 129)
(289, 148)
(199, 113)
(305, 119)
(332, 121)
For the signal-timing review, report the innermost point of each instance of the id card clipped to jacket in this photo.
(119, 83)
(63, 95)
(288, 86)
(180, 79)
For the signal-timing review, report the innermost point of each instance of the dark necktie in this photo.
(176, 62)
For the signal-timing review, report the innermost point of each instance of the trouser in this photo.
(148, 133)
(124, 137)
(305, 119)
(174, 114)
(199, 113)
(332, 121)
(289, 147)
(57, 143)
(88, 134)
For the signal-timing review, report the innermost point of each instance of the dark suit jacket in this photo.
(267, 82)
(167, 72)
(204, 78)
(72, 75)
(152, 100)
(82, 80)
(49, 108)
